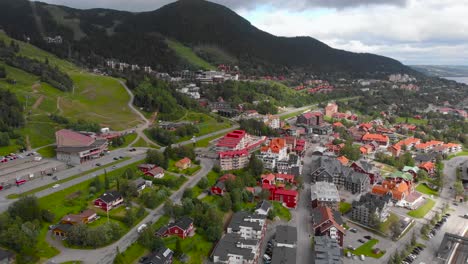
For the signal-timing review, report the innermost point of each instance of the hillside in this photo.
(442, 70)
(95, 99)
(219, 35)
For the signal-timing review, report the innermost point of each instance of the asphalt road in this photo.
(134, 156)
(106, 254)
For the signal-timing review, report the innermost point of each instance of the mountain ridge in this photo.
(139, 38)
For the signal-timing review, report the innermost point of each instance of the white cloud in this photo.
(423, 31)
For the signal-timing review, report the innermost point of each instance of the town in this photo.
(194, 131)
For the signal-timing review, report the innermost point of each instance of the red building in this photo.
(327, 222)
(288, 198)
(310, 119)
(109, 200)
(220, 187)
(145, 167)
(366, 168)
(181, 228)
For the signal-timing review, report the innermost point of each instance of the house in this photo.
(331, 109)
(247, 225)
(268, 179)
(344, 161)
(363, 166)
(182, 228)
(220, 187)
(292, 165)
(272, 121)
(161, 256)
(276, 150)
(76, 148)
(371, 207)
(263, 207)
(183, 164)
(155, 172)
(233, 160)
(109, 200)
(428, 166)
(7, 257)
(382, 140)
(288, 198)
(327, 250)
(285, 178)
(140, 184)
(407, 143)
(325, 194)
(413, 170)
(286, 236)
(85, 217)
(426, 157)
(330, 169)
(398, 190)
(310, 119)
(145, 167)
(61, 230)
(327, 222)
(232, 248)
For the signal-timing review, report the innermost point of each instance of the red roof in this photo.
(375, 137)
(309, 114)
(185, 161)
(234, 153)
(231, 139)
(69, 138)
(155, 171)
(276, 144)
(270, 177)
(287, 177)
(286, 192)
(226, 177)
(327, 216)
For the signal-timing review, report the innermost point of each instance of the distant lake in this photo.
(458, 79)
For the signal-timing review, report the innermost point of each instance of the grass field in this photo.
(344, 207)
(128, 139)
(205, 123)
(43, 248)
(366, 249)
(188, 55)
(281, 211)
(95, 98)
(422, 210)
(133, 253)
(197, 248)
(423, 188)
(412, 120)
(203, 143)
(463, 153)
(47, 152)
(385, 226)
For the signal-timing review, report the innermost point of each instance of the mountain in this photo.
(442, 70)
(207, 28)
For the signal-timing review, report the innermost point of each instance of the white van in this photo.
(141, 228)
(362, 257)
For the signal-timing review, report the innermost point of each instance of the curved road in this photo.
(106, 254)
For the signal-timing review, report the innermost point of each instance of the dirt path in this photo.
(28, 143)
(58, 105)
(38, 102)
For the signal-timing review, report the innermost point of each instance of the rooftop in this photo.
(286, 234)
(324, 191)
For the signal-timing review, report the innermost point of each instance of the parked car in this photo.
(98, 164)
(354, 230)
(56, 186)
(362, 241)
(116, 158)
(362, 257)
(368, 237)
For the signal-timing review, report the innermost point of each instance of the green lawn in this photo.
(366, 249)
(38, 189)
(162, 221)
(197, 248)
(281, 211)
(344, 207)
(422, 210)
(72, 262)
(45, 250)
(392, 218)
(188, 55)
(141, 143)
(129, 138)
(192, 170)
(133, 253)
(47, 152)
(412, 120)
(205, 123)
(211, 177)
(463, 153)
(95, 98)
(423, 188)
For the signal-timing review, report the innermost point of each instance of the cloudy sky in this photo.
(412, 31)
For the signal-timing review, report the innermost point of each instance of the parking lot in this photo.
(27, 168)
(351, 239)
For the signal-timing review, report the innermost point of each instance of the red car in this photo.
(20, 182)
